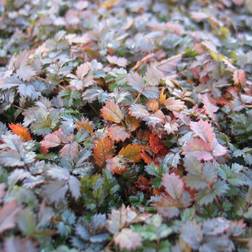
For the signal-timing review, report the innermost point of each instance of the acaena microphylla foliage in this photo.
(125, 126)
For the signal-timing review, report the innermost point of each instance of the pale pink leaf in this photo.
(239, 77)
(70, 150)
(198, 148)
(218, 149)
(173, 104)
(8, 215)
(203, 130)
(119, 61)
(174, 185)
(209, 106)
(50, 141)
(128, 239)
(118, 133)
(83, 70)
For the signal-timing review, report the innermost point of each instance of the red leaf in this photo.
(156, 145)
(146, 158)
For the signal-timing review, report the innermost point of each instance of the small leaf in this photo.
(127, 239)
(198, 148)
(116, 165)
(26, 72)
(103, 149)
(192, 234)
(156, 145)
(8, 215)
(21, 131)
(239, 77)
(132, 123)
(174, 185)
(120, 218)
(112, 112)
(132, 152)
(138, 84)
(108, 4)
(83, 70)
(118, 133)
(51, 140)
(70, 150)
(173, 104)
(74, 186)
(203, 130)
(139, 111)
(209, 106)
(27, 222)
(55, 191)
(205, 146)
(119, 61)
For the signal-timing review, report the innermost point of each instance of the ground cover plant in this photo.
(125, 126)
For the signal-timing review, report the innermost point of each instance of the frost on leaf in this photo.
(204, 145)
(128, 239)
(174, 185)
(118, 133)
(15, 152)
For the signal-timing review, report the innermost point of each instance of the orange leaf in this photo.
(132, 152)
(103, 149)
(108, 4)
(156, 145)
(112, 112)
(118, 133)
(152, 105)
(21, 131)
(162, 96)
(86, 125)
(146, 158)
(132, 123)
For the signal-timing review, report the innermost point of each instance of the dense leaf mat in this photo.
(125, 126)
